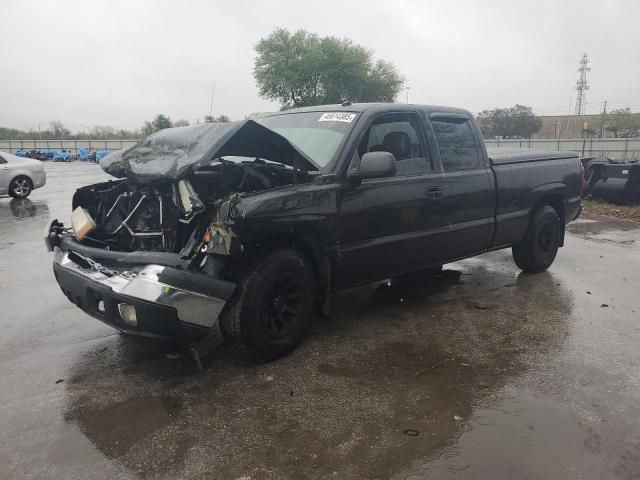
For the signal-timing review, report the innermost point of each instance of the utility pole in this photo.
(582, 85)
(213, 92)
(407, 89)
(40, 131)
(604, 113)
(568, 115)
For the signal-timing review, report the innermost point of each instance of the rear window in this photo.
(456, 142)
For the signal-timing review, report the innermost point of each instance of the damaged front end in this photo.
(152, 253)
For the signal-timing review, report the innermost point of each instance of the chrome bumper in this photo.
(149, 284)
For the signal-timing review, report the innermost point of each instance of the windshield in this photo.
(317, 134)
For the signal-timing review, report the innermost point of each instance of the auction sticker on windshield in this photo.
(337, 117)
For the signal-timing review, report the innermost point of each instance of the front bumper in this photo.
(39, 179)
(168, 302)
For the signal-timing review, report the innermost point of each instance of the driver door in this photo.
(381, 220)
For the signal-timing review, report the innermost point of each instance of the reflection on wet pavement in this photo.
(378, 367)
(604, 229)
(478, 372)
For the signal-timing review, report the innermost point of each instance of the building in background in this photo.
(575, 126)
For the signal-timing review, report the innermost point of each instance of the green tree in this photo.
(58, 129)
(514, 122)
(103, 131)
(160, 122)
(301, 69)
(147, 128)
(622, 123)
(14, 133)
(219, 119)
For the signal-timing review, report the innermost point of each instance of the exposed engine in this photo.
(160, 215)
(131, 217)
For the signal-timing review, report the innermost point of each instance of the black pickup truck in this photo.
(249, 226)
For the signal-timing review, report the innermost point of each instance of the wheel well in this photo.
(315, 256)
(557, 203)
(22, 176)
(554, 200)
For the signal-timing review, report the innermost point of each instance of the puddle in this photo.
(350, 400)
(525, 436)
(604, 229)
(116, 428)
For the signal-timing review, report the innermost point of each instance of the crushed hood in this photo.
(175, 152)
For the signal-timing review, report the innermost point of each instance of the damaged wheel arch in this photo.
(320, 258)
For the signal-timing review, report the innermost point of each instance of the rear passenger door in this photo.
(468, 187)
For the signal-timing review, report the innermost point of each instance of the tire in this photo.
(537, 251)
(20, 187)
(272, 306)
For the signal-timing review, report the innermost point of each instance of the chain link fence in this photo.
(617, 148)
(72, 146)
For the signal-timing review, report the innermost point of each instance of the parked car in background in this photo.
(19, 176)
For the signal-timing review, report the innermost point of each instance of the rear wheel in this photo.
(20, 187)
(537, 251)
(273, 306)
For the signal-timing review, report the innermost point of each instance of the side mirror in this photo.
(375, 165)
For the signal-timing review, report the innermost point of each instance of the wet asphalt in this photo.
(480, 373)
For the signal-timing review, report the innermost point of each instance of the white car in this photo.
(18, 176)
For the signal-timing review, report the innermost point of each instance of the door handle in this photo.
(434, 193)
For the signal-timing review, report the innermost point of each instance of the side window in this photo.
(456, 142)
(397, 133)
(2, 160)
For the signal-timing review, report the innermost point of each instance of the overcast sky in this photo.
(119, 63)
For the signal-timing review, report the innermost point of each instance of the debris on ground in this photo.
(598, 207)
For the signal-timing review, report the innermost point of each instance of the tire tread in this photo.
(523, 251)
(231, 318)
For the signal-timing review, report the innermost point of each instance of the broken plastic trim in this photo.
(189, 200)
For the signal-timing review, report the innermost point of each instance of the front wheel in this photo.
(537, 251)
(272, 307)
(20, 187)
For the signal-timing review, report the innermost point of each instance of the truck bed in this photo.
(520, 178)
(504, 156)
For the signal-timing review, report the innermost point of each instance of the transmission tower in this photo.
(582, 85)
